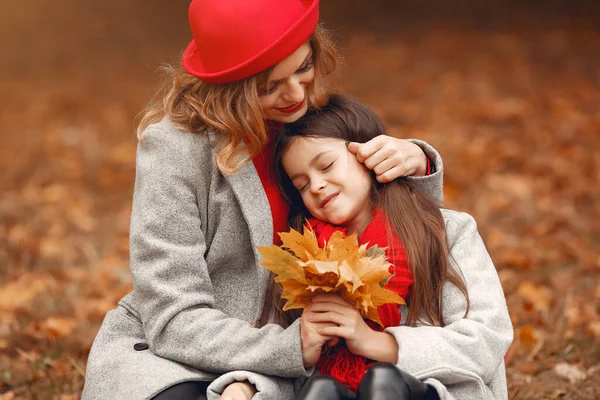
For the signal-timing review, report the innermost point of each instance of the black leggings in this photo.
(192, 390)
(381, 382)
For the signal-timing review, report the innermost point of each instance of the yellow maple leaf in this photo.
(356, 272)
(340, 247)
(296, 294)
(349, 277)
(281, 263)
(381, 296)
(373, 270)
(304, 246)
(322, 267)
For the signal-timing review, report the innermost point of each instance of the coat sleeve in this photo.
(432, 184)
(475, 343)
(172, 285)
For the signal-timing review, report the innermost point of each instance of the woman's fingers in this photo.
(366, 150)
(390, 157)
(384, 166)
(391, 174)
(381, 155)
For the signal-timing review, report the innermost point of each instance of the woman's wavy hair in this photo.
(233, 109)
(412, 215)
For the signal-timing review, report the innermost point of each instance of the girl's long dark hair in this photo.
(413, 216)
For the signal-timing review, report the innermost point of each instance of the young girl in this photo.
(450, 339)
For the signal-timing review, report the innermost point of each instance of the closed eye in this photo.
(269, 91)
(329, 166)
(306, 67)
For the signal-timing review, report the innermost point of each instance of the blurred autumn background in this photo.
(507, 91)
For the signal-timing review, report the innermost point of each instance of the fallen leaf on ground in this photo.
(572, 373)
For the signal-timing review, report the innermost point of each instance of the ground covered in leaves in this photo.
(508, 96)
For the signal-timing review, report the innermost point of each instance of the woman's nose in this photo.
(294, 90)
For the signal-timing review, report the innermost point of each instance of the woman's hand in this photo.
(390, 157)
(344, 322)
(238, 391)
(312, 340)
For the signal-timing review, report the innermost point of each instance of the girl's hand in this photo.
(238, 391)
(390, 157)
(312, 340)
(343, 321)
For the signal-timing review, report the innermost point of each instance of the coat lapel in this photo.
(248, 190)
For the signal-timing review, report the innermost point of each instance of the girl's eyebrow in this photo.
(309, 55)
(312, 162)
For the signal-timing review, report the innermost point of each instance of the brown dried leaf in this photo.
(529, 337)
(22, 291)
(58, 327)
(538, 296)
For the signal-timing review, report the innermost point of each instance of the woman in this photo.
(204, 199)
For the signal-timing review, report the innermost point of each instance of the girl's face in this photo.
(334, 186)
(284, 98)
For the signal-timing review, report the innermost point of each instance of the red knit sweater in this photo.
(264, 167)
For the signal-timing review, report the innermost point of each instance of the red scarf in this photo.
(338, 362)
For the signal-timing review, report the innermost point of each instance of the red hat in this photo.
(235, 39)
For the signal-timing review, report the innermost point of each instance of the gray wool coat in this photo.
(198, 288)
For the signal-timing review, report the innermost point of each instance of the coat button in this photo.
(140, 346)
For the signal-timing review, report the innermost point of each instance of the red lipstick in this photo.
(292, 108)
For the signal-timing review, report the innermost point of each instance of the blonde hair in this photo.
(233, 109)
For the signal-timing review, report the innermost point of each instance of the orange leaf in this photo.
(58, 327)
(528, 337)
(305, 246)
(281, 263)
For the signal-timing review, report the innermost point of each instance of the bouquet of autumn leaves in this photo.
(356, 272)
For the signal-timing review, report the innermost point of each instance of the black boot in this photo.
(321, 387)
(386, 382)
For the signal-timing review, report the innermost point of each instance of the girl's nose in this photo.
(317, 185)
